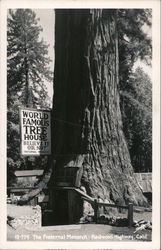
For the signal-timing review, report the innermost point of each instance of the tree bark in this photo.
(87, 123)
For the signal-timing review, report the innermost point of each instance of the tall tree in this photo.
(134, 38)
(87, 123)
(27, 71)
(136, 107)
(134, 41)
(28, 61)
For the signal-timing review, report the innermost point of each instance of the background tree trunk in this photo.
(87, 124)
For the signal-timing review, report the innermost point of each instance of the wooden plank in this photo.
(130, 214)
(96, 211)
(111, 205)
(88, 200)
(84, 195)
(19, 188)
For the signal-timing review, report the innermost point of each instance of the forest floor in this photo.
(79, 232)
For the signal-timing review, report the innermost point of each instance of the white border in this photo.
(47, 4)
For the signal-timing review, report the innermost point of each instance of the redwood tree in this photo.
(86, 120)
(87, 123)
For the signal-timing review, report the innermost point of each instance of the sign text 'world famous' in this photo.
(35, 132)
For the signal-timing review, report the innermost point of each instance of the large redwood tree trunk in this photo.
(87, 124)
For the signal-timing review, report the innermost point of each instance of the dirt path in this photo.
(80, 232)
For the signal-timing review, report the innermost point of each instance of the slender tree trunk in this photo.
(87, 124)
(26, 76)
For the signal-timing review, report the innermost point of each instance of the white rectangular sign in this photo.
(35, 132)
